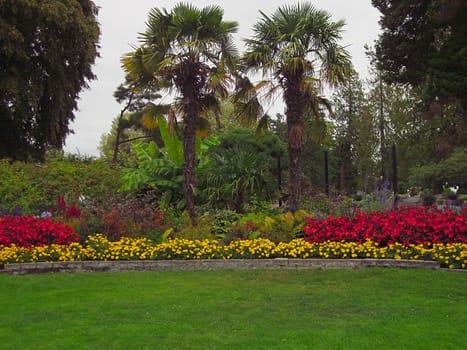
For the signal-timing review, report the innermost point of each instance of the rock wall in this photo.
(213, 264)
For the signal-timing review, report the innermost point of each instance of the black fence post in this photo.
(394, 174)
(326, 173)
(279, 179)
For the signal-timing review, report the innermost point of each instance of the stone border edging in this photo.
(210, 264)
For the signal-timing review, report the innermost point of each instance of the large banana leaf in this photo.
(173, 145)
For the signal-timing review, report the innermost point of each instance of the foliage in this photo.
(407, 225)
(354, 134)
(123, 215)
(126, 153)
(298, 47)
(371, 117)
(27, 231)
(323, 206)
(423, 44)
(434, 175)
(428, 199)
(78, 192)
(212, 224)
(98, 247)
(161, 169)
(156, 170)
(46, 54)
(284, 227)
(234, 174)
(133, 122)
(222, 220)
(201, 231)
(275, 226)
(36, 187)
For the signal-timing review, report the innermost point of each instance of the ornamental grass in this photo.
(98, 247)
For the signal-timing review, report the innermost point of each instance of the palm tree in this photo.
(191, 50)
(297, 47)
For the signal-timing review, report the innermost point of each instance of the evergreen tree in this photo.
(423, 44)
(47, 49)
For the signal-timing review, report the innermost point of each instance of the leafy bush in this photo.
(27, 231)
(222, 220)
(284, 227)
(123, 215)
(157, 169)
(277, 227)
(240, 169)
(36, 187)
(428, 199)
(405, 225)
(433, 175)
(161, 169)
(203, 230)
(322, 206)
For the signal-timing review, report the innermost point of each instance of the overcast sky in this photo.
(122, 20)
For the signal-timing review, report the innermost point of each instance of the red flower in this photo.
(73, 212)
(26, 231)
(61, 204)
(405, 225)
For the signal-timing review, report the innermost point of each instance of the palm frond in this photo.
(152, 114)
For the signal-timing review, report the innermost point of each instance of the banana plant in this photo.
(162, 168)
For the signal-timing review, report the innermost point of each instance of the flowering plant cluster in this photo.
(68, 212)
(98, 247)
(407, 225)
(27, 231)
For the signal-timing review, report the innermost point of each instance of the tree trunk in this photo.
(190, 117)
(295, 113)
(381, 126)
(120, 129)
(189, 165)
(295, 194)
(117, 145)
(342, 178)
(239, 199)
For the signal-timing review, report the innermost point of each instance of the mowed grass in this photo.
(249, 309)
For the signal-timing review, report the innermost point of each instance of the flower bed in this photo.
(408, 225)
(97, 247)
(27, 231)
(407, 233)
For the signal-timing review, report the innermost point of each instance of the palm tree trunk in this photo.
(296, 140)
(189, 166)
(295, 169)
(190, 83)
(191, 112)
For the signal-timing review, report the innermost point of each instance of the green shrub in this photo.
(428, 199)
(284, 227)
(36, 187)
(201, 231)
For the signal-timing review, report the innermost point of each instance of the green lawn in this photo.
(251, 309)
